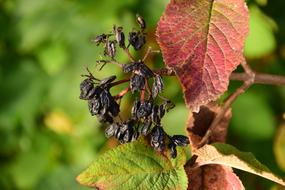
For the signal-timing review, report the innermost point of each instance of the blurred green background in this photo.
(47, 135)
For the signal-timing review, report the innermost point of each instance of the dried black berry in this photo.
(105, 118)
(161, 111)
(144, 70)
(136, 39)
(94, 106)
(157, 138)
(85, 87)
(180, 140)
(120, 36)
(173, 151)
(100, 39)
(145, 127)
(110, 49)
(154, 115)
(144, 109)
(127, 136)
(141, 22)
(111, 130)
(137, 83)
(157, 86)
(104, 83)
(135, 109)
(135, 136)
(131, 67)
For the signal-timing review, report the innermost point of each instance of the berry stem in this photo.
(122, 93)
(119, 82)
(126, 50)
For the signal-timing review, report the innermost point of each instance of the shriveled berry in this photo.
(180, 140)
(100, 39)
(85, 86)
(157, 138)
(161, 111)
(120, 36)
(105, 118)
(127, 68)
(141, 21)
(137, 83)
(157, 86)
(135, 136)
(173, 151)
(94, 93)
(128, 135)
(144, 70)
(110, 49)
(110, 130)
(154, 115)
(145, 127)
(106, 81)
(94, 106)
(135, 109)
(136, 39)
(114, 109)
(144, 109)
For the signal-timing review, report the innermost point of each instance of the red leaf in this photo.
(213, 177)
(202, 40)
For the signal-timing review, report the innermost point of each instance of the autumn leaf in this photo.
(227, 155)
(199, 123)
(202, 40)
(210, 177)
(136, 166)
(213, 177)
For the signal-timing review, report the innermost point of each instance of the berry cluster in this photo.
(149, 106)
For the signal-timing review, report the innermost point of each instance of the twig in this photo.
(260, 78)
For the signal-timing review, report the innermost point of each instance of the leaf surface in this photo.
(224, 154)
(135, 166)
(202, 40)
(199, 123)
(213, 177)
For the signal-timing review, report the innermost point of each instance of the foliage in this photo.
(136, 166)
(47, 135)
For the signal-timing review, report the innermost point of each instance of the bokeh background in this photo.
(47, 135)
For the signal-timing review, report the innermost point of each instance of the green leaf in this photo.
(135, 166)
(224, 154)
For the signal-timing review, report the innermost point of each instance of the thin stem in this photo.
(104, 62)
(126, 50)
(142, 95)
(119, 82)
(260, 78)
(122, 93)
